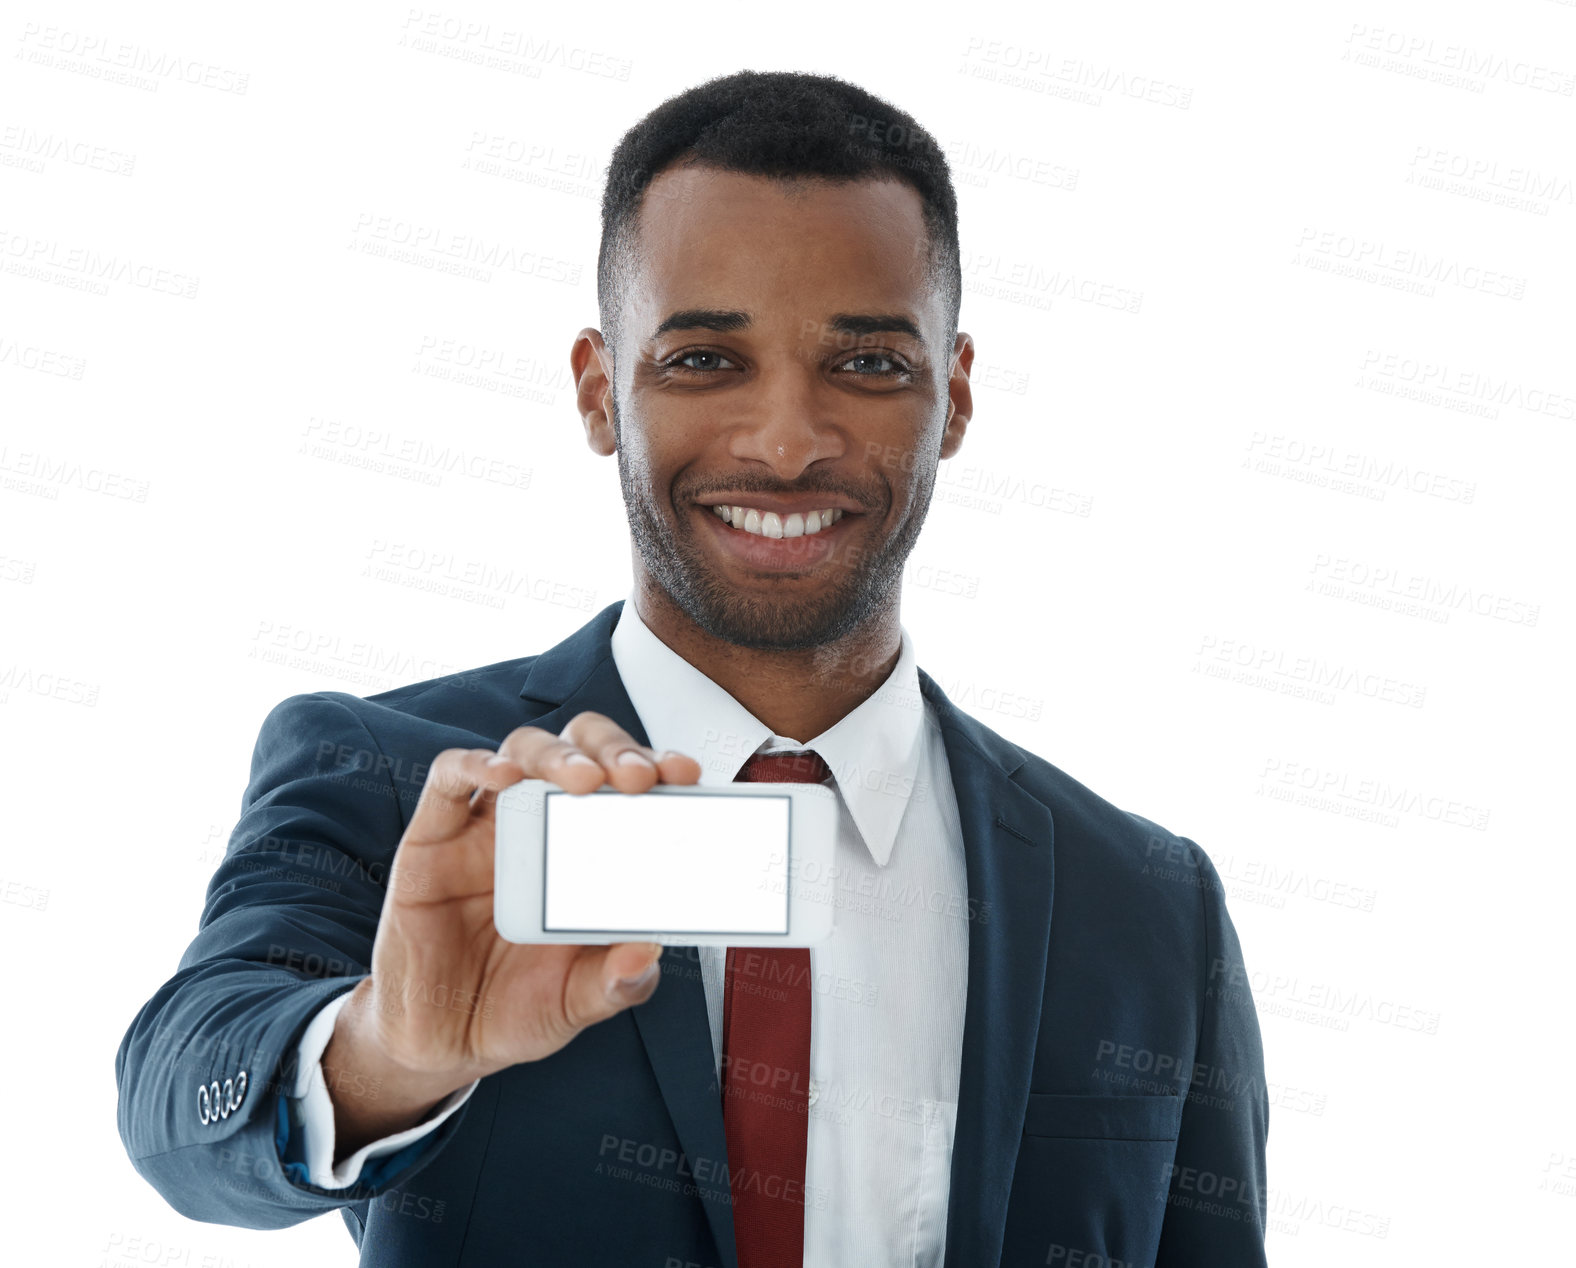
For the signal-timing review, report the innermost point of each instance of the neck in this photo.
(799, 694)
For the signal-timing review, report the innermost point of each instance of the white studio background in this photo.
(1261, 528)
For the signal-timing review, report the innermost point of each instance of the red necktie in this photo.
(766, 1071)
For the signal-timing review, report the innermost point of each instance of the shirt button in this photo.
(815, 1091)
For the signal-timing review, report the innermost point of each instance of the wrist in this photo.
(374, 1092)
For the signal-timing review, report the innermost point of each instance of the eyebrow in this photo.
(726, 320)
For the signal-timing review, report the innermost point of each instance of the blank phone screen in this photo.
(665, 864)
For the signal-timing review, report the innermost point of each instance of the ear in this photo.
(960, 402)
(592, 366)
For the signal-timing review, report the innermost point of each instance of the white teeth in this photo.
(771, 524)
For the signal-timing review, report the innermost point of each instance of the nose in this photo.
(787, 428)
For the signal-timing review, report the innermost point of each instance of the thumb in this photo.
(627, 973)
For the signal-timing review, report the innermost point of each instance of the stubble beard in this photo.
(675, 562)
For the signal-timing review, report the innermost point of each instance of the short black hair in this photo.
(781, 124)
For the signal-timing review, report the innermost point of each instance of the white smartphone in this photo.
(739, 865)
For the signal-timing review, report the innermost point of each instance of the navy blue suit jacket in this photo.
(1112, 1106)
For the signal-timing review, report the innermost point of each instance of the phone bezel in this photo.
(520, 843)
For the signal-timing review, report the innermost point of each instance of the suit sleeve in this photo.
(1216, 1203)
(207, 1068)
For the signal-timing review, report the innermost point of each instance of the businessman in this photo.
(1030, 1038)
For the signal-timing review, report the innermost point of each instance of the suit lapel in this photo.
(579, 674)
(1007, 839)
(1007, 850)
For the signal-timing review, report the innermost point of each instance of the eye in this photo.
(895, 368)
(680, 361)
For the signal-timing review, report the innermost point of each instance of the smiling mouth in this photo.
(759, 523)
(779, 543)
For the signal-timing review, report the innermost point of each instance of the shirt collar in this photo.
(874, 751)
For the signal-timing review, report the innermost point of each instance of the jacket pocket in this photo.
(1091, 1179)
(1102, 1117)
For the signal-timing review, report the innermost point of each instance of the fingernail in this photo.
(578, 759)
(631, 985)
(497, 759)
(629, 757)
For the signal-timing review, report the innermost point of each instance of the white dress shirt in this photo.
(889, 985)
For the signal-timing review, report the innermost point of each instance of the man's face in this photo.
(782, 352)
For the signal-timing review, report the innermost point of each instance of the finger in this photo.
(448, 802)
(540, 754)
(677, 768)
(630, 767)
(600, 985)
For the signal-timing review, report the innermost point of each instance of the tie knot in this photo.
(805, 767)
